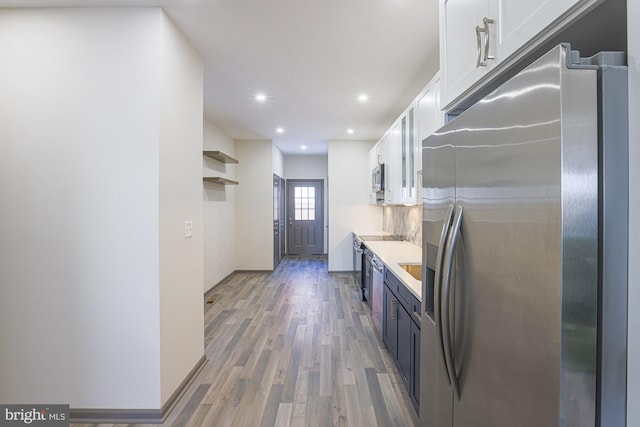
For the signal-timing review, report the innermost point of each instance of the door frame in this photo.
(277, 217)
(283, 210)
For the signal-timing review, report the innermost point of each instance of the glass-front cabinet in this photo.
(408, 165)
(400, 148)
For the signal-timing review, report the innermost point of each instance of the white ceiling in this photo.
(311, 58)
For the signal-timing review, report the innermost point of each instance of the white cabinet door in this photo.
(429, 115)
(426, 115)
(407, 166)
(519, 21)
(429, 119)
(393, 165)
(404, 159)
(459, 45)
(438, 114)
(372, 163)
(477, 35)
(412, 143)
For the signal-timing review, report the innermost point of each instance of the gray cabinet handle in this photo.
(394, 305)
(479, 47)
(487, 39)
(482, 59)
(417, 316)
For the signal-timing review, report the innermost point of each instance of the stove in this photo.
(380, 238)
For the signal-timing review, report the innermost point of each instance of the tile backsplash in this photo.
(404, 221)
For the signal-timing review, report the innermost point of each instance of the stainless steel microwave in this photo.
(377, 179)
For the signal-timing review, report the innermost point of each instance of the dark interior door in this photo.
(305, 217)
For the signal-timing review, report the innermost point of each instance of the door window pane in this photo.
(304, 203)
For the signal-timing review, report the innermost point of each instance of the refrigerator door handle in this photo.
(438, 283)
(446, 323)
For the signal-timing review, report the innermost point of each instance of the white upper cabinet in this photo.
(430, 116)
(400, 149)
(478, 35)
(518, 21)
(393, 165)
(411, 182)
(407, 168)
(463, 45)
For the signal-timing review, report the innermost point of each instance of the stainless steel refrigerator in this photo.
(525, 252)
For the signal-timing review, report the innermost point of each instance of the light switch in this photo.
(188, 229)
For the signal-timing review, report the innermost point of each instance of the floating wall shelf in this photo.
(220, 156)
(220, 180)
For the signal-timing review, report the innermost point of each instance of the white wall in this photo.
(181, 258)
(277, 161)
(92, 201)
(79, 223)
(254, 205)
(633, 57)
(348, 200)
(219, 210)
(310, 167)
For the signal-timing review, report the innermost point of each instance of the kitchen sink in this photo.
(414, 269)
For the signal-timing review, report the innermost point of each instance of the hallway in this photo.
(292, 348)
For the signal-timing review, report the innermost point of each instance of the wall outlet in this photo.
(188, 229)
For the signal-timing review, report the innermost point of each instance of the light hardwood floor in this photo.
(292, 348)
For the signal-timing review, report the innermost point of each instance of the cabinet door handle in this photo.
(479, 47)
(395, 310)
(482, 59)
(487, 39)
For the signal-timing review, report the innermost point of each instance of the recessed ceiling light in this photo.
(280, 130)
(261, 97)
(303, 147)
(350, 131)
(363, 97)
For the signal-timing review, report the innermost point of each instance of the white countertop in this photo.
(392, 253)
(371, 233)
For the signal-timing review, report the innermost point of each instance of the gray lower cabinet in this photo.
(404, 345)
(414, 391)
(390, 322)
(401, 333)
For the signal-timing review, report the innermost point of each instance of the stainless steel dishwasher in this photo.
(367, 275)
(377, 288)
